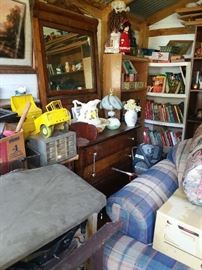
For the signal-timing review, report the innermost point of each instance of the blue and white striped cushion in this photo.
(137, 202)
(124, 253)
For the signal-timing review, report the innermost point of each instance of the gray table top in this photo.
(37, 206)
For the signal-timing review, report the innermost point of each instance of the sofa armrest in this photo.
(137, 202)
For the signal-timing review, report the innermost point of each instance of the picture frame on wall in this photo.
(15, 36)
(182, 46)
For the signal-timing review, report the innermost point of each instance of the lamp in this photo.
(111, 103)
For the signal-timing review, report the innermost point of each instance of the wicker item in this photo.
(170, 49)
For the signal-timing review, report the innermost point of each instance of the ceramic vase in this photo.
(130, 118)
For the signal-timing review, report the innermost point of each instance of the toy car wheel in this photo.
(46, 131)
(66, 126)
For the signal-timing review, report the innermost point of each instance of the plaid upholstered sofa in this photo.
(136, 205)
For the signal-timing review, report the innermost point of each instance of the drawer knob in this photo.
(94, 168)
(131, 138)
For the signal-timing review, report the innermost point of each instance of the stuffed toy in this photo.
(119, 6)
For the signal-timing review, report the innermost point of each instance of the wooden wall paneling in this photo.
(170, 31)
(38, 62)
(143, 36)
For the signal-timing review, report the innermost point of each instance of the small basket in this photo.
(170, 49)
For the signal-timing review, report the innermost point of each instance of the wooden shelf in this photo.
(194, 120)
(133, 90)
(166, 95)
(170, 64)
(190, 15)
(196, 91)
(189, 10)
(166, 124)
(114, 74)
(66, 73)
(197, 22)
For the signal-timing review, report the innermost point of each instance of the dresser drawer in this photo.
(105, 178)
(92, 170)
(109, 147)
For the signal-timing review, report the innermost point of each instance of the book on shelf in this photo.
(129, 67)
(173, 137)
(152, 138)
(164, 142)
(176, 136)
(168, 135)
(161, 113)
(180, 108)
(146, 138)
(149, 83)
(175, 83)
(148, 109)
(171, 114)
(156, 112)
(167, 119)
(176, 114)
(180, 114)
(158, 83)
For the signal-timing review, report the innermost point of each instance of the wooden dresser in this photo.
(112, 148)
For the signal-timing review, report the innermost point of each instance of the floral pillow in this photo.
(193, 173)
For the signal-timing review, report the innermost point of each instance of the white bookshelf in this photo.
(184, 68)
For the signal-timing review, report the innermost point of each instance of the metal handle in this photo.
(94, 169)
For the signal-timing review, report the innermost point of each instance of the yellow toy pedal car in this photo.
(36, 122)
(55, 118)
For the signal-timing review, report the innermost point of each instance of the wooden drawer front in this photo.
(109, 147)
(93, 170)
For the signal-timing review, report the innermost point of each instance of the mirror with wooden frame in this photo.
(66, 52)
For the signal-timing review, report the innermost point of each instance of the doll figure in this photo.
(125, 38)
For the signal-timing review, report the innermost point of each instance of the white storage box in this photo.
(161, 56)
(178, 230)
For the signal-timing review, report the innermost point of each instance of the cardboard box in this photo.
(133, 85)
(178, 230)
(12, 148)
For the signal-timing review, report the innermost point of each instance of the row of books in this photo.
(166, 83)
(172, 113)
(164, 137)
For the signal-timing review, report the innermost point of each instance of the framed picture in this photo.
(182, 46)
(15, 35)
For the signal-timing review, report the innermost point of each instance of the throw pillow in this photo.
(193, 173)
(197, 138)
(180, 158)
